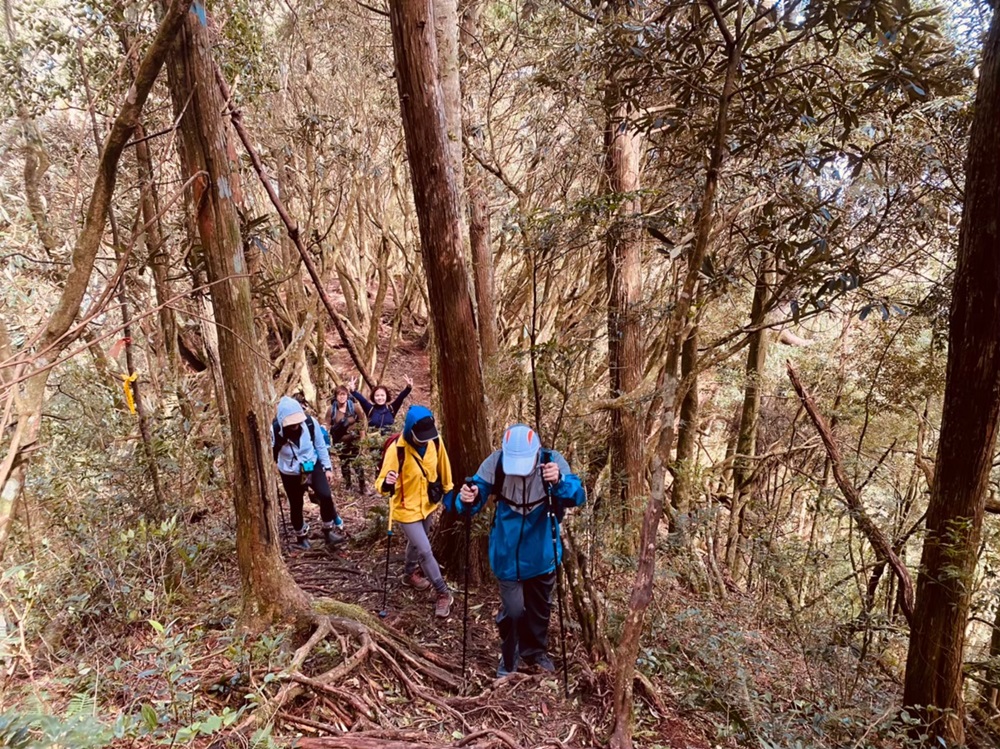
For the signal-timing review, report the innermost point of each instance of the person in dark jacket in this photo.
(521, 474)
(303, 459)
(344, 422)
(380, 412)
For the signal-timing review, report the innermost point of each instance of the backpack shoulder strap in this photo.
(400, 457)
(277, 441)
(499, 477)
(311, 425)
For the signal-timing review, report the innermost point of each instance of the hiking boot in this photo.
(543, 662)
(302, 538)
(417, 580)
(442, 607)
(332, 537)
(502, 670)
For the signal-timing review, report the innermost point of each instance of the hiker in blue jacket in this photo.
(303, 458)
(380, 412)
(521, 549)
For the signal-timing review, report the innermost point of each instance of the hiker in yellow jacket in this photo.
(415, 491)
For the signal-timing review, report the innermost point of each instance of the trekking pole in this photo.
(555, 559)
(467, 515)
(284, 522)
(385, 582)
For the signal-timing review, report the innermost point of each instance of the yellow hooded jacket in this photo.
(409, 502)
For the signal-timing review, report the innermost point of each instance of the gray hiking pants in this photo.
(524, 618)
(418, 551)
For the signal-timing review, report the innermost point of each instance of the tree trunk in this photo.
(159, 255)
(269, 592)
(622, 170)
(479, 207)
(445, 14)
(436, 198)
(933, 686)
(686, 461)
(746, 440)
(56, 335)
(36, 163)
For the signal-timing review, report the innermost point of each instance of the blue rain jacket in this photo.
(521, 536)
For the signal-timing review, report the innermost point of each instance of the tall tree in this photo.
(622, 169)
(480, 244)
(971, 409)
(436, 197)
(269, 593)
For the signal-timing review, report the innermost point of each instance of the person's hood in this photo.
(290, 411)
(414, 414)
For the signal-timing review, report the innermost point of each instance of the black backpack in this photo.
(499, 477)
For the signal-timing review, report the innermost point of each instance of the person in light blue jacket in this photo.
(303, 458)
(533, 487)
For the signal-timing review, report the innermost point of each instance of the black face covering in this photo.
(293, 433)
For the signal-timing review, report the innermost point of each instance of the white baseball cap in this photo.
(520, 450)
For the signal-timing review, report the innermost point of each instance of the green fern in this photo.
(81, 705)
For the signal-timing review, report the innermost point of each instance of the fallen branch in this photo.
(879, 541)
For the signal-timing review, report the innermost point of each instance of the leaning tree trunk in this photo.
(933, 686)
(435, 195)
(56, 333)
(269, 593)
(157, 250)
(622, 170)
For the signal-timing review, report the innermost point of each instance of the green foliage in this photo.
(39, 730)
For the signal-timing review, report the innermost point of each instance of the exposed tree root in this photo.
(506, 738)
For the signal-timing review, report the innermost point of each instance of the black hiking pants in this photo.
(295, 490)
(349, 454)
(524, 618)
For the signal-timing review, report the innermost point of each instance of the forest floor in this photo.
(527, 709)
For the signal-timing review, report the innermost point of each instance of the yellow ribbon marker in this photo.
(127, 381)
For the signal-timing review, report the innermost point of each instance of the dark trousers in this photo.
(348, 454)
(524, 618)
(295, 490)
